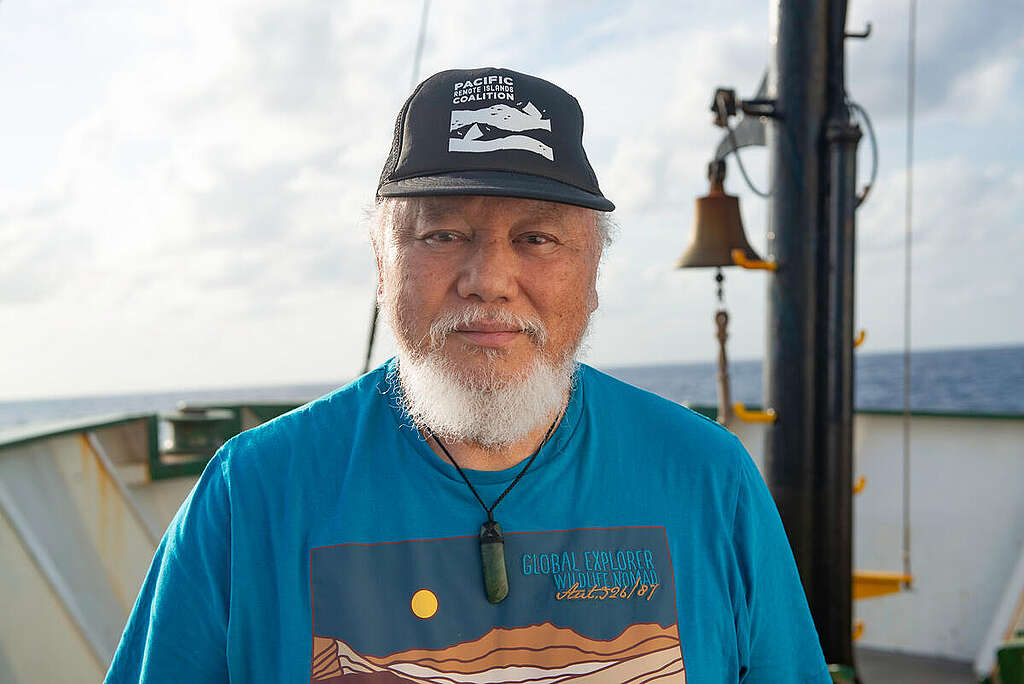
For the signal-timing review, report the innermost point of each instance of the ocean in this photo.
(977, 380)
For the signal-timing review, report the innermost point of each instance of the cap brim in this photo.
(495, 184)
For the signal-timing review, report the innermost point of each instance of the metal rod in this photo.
(908, 226)
(373, 334)
(150, 528)
(417, 58)
(420, 40)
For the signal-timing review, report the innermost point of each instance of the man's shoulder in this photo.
(629, 402)
(331, 418)
(661, 431)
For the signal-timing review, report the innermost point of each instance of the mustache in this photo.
(451, 321)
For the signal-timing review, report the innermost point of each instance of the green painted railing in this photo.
(165, 465)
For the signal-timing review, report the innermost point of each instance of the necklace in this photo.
(492, 540)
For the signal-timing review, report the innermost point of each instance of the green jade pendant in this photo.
(492, 553)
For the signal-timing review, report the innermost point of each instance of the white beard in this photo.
(491, 413)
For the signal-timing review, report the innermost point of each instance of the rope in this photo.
(417, 58)
(911, 47)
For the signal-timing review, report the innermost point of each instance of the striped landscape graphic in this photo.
(642, 653)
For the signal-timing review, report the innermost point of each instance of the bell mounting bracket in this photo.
(749, 132)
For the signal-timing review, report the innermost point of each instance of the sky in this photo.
(184, 186)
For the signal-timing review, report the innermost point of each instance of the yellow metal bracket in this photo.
(739, 257)
(871, 583)
(859, 340)
(858, 485)
(858, 629)
(753, 416)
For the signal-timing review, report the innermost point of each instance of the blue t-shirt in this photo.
(332, 545)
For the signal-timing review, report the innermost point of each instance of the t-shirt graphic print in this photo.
(584, 606)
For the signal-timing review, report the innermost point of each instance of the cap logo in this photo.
(499, 126)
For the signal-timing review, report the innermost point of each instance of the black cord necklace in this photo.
(492, 541)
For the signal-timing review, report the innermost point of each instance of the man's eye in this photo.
(441, 237)
(536, 239)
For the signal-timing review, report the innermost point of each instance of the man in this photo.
(482, 508)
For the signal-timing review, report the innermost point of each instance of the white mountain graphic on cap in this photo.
(502, 120)
(510, 142)
(502, 116)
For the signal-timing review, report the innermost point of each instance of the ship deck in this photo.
(875, 666)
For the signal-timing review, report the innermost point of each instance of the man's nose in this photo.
(489, 271)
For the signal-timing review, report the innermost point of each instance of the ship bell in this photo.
(717, 227)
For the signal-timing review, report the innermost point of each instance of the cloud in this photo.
(958, 203)
(966, 53)
(41, 253)
(207, 201)
(201, 159)
(980, 94)
(965, 255)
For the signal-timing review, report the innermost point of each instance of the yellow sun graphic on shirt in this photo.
(424, 604)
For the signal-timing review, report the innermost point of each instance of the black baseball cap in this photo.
(491, 132)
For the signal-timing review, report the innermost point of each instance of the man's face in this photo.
(495, 256)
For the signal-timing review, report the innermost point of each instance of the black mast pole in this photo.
(808, 358)
(834, 436)
(794, 140)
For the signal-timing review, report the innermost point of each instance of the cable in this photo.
(911, 47)
(417, 57)
(863, 114)
(720, 105)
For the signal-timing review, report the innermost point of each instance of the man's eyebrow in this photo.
(544, 211)
(431, 210)
(435, 209)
